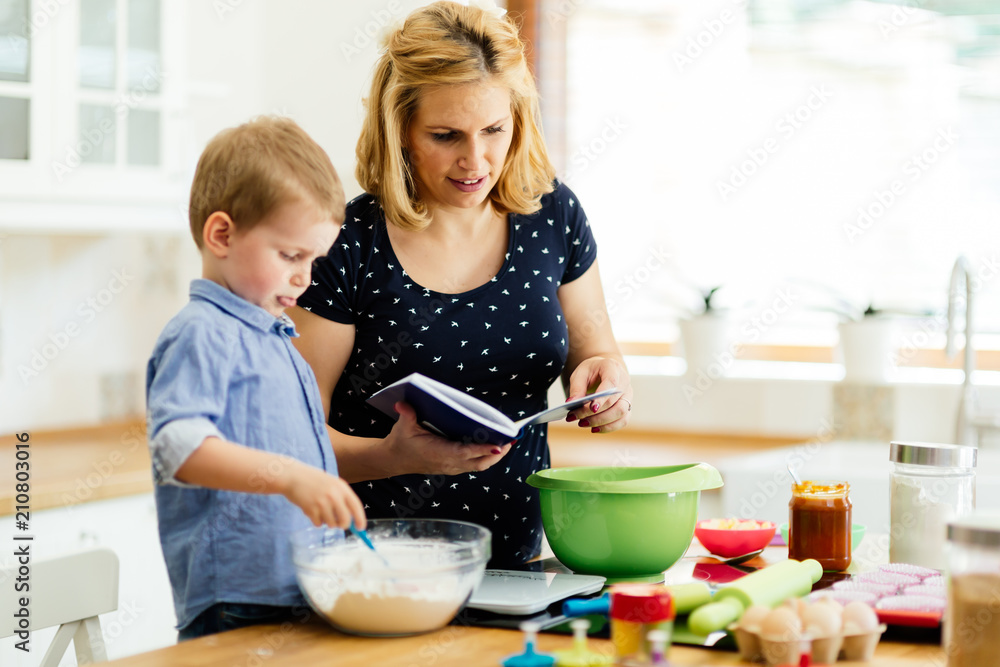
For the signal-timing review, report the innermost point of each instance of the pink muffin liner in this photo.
(909, 570)
(912, 603)
(881, 590)
(929, 591)
(880, 577)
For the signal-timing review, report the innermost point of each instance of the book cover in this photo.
(457, 416)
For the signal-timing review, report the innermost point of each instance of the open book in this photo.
(455, 415)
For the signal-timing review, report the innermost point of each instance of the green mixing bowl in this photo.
(626, 524)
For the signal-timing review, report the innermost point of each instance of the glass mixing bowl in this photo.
(430, 569)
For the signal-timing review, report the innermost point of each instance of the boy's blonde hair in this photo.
(250, 170)
(447, 43)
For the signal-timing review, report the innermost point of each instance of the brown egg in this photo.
(797, 604)
(753, 617)
(781, 623)
(821, 620)
(859, 618)
(827, 600)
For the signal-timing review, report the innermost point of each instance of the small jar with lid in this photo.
(930, 484)
(819, 524)
(637, 610)
(971, 633)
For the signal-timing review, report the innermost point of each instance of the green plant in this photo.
(707, 296)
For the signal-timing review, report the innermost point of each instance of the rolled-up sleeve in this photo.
(174, 443)
(187, 382)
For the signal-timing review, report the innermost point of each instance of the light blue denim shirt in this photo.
(224, 367)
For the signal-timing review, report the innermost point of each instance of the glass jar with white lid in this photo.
(930, 485)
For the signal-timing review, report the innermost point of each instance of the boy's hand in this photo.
(417, 450)
(324, 498)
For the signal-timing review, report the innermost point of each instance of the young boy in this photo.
(239, 444)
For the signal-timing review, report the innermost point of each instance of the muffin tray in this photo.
(902, 594)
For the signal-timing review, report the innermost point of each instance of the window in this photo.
(816, 149)
(87, 114)
(119, 82)
(15, 84)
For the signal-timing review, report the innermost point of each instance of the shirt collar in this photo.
(240, 308)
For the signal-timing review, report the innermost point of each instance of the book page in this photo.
(560, 411)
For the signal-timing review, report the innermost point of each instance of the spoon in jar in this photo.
(795, 478)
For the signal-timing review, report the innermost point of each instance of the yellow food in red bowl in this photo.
(734, 537)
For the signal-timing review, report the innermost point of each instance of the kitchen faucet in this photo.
(966, 427)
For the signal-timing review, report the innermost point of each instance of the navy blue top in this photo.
(504, 342)
(224, 367)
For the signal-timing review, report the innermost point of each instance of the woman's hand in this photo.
(604, 414)
(413, 449)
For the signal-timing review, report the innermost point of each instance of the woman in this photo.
(466, 262)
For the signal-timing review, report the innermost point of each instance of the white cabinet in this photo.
(145, 617)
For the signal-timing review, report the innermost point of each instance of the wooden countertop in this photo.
(310, 641)
(69, 466)
(314, 643)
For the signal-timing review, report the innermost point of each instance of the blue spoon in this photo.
(363, 536)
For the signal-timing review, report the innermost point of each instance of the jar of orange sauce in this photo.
(819, 523)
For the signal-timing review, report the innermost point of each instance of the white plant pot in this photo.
(707, 344)
(868, 349)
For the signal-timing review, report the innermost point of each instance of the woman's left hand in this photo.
(603, 414)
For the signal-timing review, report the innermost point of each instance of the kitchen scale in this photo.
(520, 593)
(506, 598)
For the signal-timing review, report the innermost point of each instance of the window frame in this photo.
(38, 194)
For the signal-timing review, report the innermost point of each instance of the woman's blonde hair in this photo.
(447, 43)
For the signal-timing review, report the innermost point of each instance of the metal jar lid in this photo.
(933, 454)
(982, 530)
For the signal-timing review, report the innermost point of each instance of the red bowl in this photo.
(732, 542)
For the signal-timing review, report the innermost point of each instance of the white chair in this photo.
(69, 591)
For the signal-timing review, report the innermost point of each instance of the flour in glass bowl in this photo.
(420, 590)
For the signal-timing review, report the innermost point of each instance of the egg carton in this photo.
(778, 650)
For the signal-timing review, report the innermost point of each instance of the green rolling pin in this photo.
(767, 587)
(688, 597)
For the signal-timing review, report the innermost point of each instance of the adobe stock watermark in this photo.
(711, 30)
(901, 16)
(101, 471)
(86, 311)
(92, 138)
(786, 127)
(780, 480)
(225, 7)
(912, 170)
(371, 32)
(560, 10)
(44, 12)
(633, 281)
(587, 153)
(751, 331)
